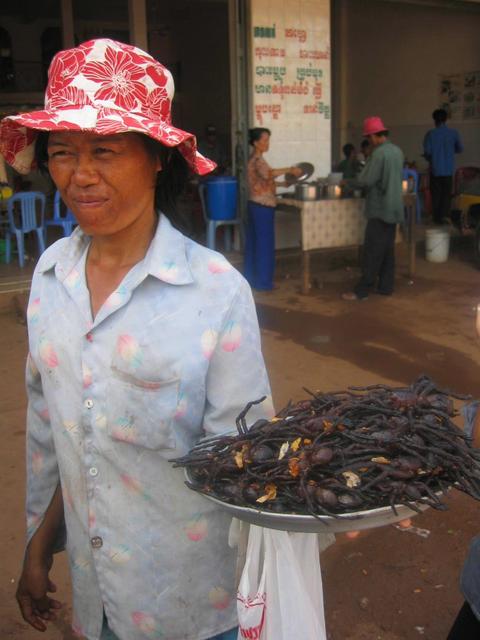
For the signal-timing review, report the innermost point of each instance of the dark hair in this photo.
(256, 133)
(171, 180)
(347, 149)
(365, 144)
(439, 116)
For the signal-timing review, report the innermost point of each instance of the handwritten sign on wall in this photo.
(290, 80)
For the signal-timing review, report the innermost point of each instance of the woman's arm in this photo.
(237, 374)
(46, 531)
(44, 540)
(296, 171)
(265, 172)
(34, 583)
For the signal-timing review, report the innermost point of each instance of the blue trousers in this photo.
(260, 246)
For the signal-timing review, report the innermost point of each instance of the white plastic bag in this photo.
(251, 596)
(286, 568)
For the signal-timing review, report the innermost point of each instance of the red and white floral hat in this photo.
(105, 87)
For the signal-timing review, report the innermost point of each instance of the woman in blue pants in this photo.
(260, 236)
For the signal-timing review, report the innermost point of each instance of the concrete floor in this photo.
(387, 584)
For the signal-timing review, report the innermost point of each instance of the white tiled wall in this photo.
(296, 136)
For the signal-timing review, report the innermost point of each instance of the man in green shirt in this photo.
(382, 180)
(350, 166)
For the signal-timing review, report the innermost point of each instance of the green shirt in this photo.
(349, 168)
(382, 177)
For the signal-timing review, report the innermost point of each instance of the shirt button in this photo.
(93, 471)
(89, 403)
(96, 542)
(89, 337)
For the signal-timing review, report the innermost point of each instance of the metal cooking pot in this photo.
(306, 191)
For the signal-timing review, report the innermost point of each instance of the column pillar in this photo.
(137, 19)
(340, 97)
(68, 31)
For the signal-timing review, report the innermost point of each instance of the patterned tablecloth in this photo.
(330, 223)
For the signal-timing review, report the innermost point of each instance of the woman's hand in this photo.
(35, 605)
(34, 583)
(295, 171)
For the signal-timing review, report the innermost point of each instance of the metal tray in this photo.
(307, 170)
(323, 524)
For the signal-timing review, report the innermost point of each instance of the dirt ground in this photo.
(388, 584)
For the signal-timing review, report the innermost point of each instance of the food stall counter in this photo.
(340, 223)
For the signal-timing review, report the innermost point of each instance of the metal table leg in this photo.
(306, 285)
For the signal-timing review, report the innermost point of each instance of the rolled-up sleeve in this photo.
(237, 373)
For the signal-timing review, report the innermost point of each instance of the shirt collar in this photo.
(166, 258)
(64, 254)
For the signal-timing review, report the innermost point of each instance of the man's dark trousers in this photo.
(378, 259)
(466, 625)
(441, 190)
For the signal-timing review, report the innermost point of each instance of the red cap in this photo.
(373, 125)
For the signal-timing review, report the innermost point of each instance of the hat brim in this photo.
(18, 133)
(374, 132)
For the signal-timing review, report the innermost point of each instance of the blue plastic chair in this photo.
(213, 224)
(29, 218)
(67, 221)
(412, 174)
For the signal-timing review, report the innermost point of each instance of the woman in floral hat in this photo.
(141, 342)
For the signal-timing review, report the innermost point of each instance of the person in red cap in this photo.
(141, 343)
(382, 180)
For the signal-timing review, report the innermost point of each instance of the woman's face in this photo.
(263, 143)
(107, 181)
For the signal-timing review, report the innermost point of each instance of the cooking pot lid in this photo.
(307, 170)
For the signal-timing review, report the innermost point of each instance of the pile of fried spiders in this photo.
(342, 452)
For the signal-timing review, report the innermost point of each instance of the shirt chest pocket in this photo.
(142, 405)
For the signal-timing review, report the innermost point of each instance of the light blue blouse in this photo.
(173, 354)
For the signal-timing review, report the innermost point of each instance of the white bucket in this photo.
(437, 245)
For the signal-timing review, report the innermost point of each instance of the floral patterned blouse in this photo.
(173, 354)
(261, 186)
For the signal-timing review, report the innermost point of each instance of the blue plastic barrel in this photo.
(221, 198)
